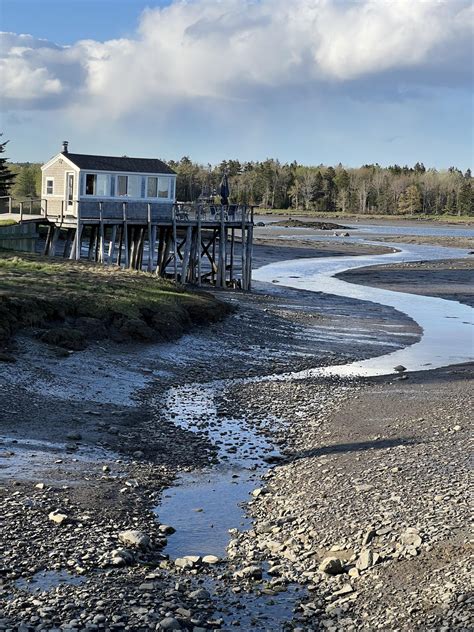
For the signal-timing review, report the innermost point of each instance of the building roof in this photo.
(118, 163)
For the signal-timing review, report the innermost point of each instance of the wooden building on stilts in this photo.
(123, 211)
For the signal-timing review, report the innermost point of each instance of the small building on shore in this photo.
(70, 181)
(122, 211)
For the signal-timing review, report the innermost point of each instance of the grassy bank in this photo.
(451, 219)
(69, 303)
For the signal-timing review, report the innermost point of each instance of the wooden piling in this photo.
(192, 248)
(113, 237)
(199, 249)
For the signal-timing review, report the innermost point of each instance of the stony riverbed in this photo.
(358, 511)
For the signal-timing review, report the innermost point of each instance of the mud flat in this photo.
(372, 472)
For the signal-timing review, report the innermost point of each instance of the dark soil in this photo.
(298, 223)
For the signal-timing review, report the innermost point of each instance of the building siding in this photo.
(57, 170)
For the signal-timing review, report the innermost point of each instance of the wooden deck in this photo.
(191, 243)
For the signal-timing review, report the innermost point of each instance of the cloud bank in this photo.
(243, 50)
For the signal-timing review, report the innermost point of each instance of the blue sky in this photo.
(66, 21)
(316, 81)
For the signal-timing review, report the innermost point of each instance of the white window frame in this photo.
(70, 202)
(114, 175)
(46, 181)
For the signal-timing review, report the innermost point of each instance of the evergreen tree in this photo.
(466, 199)
(7, 178)
(25, 183)
(410, 201)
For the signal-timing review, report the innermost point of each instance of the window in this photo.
(122, 188)
(49, 186)
(172, 188)
(103, 185)
(134, 186)
(163, 187)
(152, 189)
(91, 183)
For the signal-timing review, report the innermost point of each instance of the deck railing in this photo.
(132, 211)
(206, 212)
(28, 206)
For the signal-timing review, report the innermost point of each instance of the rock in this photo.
(200, 595)
(365, 560)
(411, 538)
(74, 436)
(253, 572)
(105, 468)
(332, 566)
(57, 517)
(40, 486)
(345, 590)
(122, 557)
(166, 529)
(147, 586)
(399, 368)
(211, 559)
(168, 623)
(188, 561)
(133, 537)
(364, 487)
(368, 536)
(72, 447)
(138, 454)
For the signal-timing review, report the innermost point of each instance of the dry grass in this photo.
(122, 304)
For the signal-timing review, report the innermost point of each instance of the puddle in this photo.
(257, 611)
(44, 581)
(203, 507)
(19, 456)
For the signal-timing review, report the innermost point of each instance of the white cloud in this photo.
(238, 49)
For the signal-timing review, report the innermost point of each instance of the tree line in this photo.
(368, 189)
(271, 184)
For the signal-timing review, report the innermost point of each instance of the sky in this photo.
(316, 81)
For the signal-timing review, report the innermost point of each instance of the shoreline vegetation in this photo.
(69, 304)
(419, 217)
(367, 191)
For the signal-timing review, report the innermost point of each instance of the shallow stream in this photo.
(203, 507)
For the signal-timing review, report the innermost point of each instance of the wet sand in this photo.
(451, 279)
